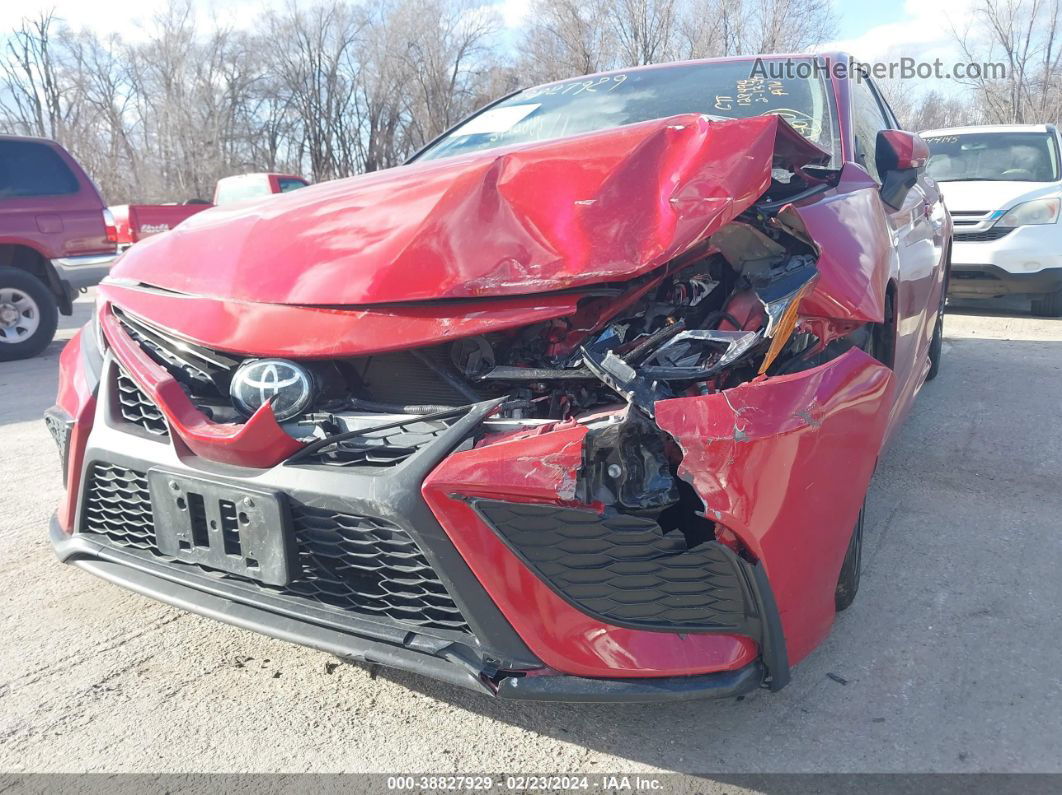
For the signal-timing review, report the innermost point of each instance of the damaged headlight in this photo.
(781, 301)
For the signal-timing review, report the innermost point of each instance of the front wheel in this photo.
(936, 348)
(29, 315)
(848, 581)
(936, 345)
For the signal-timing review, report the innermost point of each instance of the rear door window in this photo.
(32, 169)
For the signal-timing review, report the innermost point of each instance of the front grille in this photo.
(136, 408)
(425, 378)
(995, 233)
(624, 569)
(387, 447)
(369, 565)
(364, 565)
(118, 506)
(968, 216)
(203, 372)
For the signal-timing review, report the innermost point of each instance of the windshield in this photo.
(993, 157)
(722, 89)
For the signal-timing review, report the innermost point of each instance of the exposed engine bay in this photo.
(717, 318)
(720, 316)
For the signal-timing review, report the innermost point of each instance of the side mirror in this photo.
(900, 157)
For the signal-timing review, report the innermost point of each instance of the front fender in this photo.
(784, 463)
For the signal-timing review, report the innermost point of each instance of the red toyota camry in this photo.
(581, 403)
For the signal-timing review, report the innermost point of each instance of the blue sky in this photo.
(856, 16)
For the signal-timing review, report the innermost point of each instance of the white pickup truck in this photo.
(1003, 186)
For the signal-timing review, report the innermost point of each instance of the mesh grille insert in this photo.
(137, 408)
(118, 506)
(624, 569)
(364, 565)
(995, 233)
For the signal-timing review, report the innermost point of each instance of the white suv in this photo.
(1003, 186)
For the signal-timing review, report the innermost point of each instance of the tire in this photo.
(1049, 305)
(936, 345)
(848, 581)
(29, 315)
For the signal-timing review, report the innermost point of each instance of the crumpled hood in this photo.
(604, 206)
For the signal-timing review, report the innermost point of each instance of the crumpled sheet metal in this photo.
(543, 467)
(315, 332)
(605, 206)
(784, 464)
(855, 249)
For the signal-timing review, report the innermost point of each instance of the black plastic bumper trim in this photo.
(990, 281)
(393, 495)
(725, 684)
(761, 621)
(444, 667)
(60, 425)
(83, 554)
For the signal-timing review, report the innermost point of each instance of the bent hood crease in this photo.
(605, 206)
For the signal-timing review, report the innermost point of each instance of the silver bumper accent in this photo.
(85, 270)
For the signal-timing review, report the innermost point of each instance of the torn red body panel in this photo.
(77, 400)
(602, 207)
(265, 329)
(259, 442)
(855, 251)
(784, 464)
(543, 468)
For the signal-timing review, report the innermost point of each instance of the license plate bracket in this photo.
(219, 525)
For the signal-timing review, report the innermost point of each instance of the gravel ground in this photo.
(948, 661)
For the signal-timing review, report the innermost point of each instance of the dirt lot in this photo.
(948, 661)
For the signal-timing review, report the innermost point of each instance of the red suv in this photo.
(55, 238)
(580, 404)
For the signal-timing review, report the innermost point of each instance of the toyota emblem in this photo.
(289, 386)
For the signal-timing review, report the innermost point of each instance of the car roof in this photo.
(37, 139)
(797, 56)
(257, 174)
(988, 128)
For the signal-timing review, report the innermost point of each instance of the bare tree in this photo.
(34, 97)
(334, 88)
(567, 38)
(644, 30)
(447, 49)
(317, 72)
(1025, 35)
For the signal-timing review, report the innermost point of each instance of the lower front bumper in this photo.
(84, 271)
(540, 685)
(991, 281)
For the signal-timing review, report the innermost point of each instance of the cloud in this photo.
(925, 33)
(130, 18)
(514, 12)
